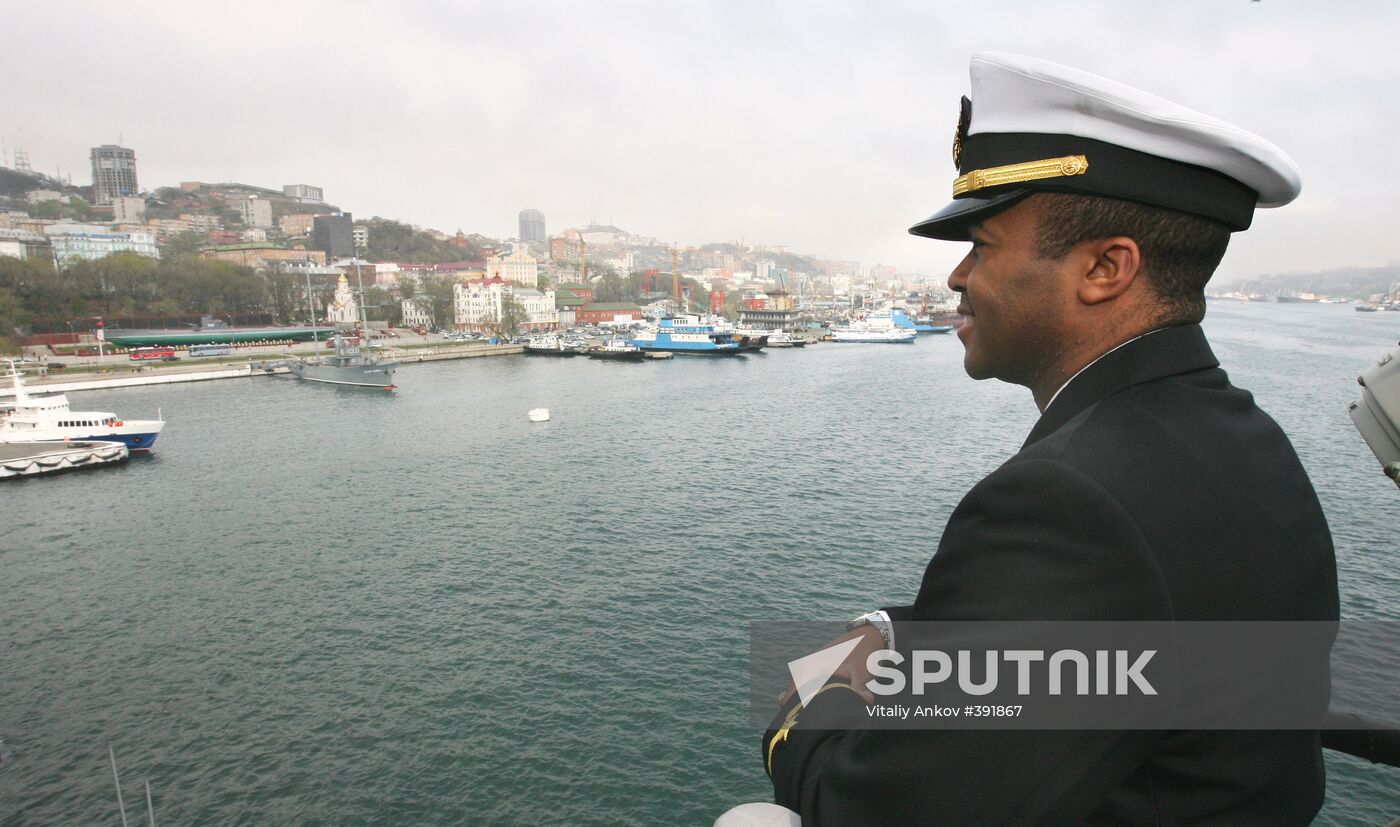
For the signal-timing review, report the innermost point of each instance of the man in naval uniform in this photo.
(1150, 488)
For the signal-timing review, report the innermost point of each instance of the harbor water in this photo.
(323, 606)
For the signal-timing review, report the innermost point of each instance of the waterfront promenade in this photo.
(118, 371)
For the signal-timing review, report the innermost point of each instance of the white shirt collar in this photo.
(1091, 364)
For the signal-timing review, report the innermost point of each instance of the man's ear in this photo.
(1111, 265)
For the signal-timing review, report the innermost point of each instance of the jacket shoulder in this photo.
(1038, 539)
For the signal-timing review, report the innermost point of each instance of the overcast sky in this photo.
(823, 126)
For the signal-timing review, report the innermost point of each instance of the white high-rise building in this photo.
(113, 173)
(532, 225)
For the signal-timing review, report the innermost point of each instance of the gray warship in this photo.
(348, 365)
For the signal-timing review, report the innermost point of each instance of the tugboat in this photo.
(782, 338)
(548, 346)
(618, 350)
(48, 419)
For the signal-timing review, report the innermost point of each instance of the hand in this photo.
(852, 669)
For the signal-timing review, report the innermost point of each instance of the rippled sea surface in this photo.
(315, 605)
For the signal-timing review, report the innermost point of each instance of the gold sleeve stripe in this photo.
(791, 720)
(1018, 173)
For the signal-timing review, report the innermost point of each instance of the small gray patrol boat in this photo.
(347, 366)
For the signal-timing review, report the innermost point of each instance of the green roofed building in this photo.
(583, 291)
(567, 298)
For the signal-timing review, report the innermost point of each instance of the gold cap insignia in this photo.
(964, 121)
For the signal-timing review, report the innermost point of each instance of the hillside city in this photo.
(71, 255)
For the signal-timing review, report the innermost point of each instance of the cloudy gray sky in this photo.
(825, 126)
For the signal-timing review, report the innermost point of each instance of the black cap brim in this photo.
(951, 222)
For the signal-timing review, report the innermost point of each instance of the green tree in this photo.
(407, 288)
(36, 288)
(47, 210)
(393, 241)
(80, 207)
(513, 316)
(13, 316)
(609, 288)
(186, 243)
(286, 295)
(127, 282)
(381, 307)
(441, 299)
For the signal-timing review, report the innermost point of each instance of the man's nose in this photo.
(957, 280)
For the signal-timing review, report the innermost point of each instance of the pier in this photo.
(27, 459)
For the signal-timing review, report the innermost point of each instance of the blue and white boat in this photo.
(902, 320)
(47, 418)
(688, 335)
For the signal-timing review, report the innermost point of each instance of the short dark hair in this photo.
(1180, 251)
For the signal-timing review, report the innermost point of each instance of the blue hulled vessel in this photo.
(902, 320)
(688, 335)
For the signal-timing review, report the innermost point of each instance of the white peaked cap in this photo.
(1032, 126)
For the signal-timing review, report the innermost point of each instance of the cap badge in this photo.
(960, 135)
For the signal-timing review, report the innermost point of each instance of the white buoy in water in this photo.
(539, 415)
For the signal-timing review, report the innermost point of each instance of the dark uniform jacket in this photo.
(1150, 489)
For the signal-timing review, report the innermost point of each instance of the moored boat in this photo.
(866, 335)
(688, 335)
(921, 325)
(347, 366)
(48, 418)
(880, 327)
(549, 346)
(618, 350)
(781, 338)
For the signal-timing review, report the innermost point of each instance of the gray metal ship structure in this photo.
(346, 366)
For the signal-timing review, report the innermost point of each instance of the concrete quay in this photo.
(119, 374)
